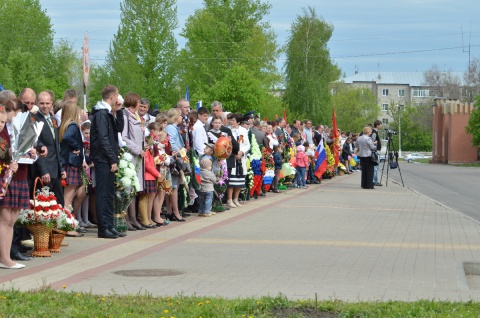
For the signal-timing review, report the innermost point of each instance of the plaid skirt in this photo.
(150, 186)
(17, 195)
(74, 175)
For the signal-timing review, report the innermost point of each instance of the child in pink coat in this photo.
(301, 160)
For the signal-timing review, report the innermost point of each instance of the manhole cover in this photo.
(149, 272)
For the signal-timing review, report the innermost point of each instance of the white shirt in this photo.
(199, 136)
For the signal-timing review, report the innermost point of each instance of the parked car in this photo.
(414, 156)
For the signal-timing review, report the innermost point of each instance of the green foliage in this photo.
(142, 56)
(473, 127)
(416, 127)
(355, 107)
(309, 68)
(14, 303)
(230, 55)
(30, 57)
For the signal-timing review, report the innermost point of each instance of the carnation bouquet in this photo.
(66, 221)
(44, 209)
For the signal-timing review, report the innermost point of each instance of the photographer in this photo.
(375, 136)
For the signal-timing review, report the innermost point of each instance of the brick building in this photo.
(451, 143)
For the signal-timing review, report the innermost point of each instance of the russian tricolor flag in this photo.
(321, 156)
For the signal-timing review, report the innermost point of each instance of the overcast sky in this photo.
(370, 35)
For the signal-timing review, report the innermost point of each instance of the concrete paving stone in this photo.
(328, 239)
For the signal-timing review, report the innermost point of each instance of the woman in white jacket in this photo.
(236, 175)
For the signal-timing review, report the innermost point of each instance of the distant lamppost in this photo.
(399, 131)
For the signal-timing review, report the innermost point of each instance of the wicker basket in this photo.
(41, 232)
(56, 239)
(41, 236)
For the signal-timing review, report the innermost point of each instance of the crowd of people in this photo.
(175, 156)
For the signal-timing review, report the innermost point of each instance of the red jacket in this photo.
(151, 172)
(301, 159)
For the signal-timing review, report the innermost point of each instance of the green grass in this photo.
(50, 303)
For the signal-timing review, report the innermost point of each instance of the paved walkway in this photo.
(335, 240)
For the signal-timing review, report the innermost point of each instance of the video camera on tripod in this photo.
(391, 155)
(390, 132)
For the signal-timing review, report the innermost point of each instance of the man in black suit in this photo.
(49, 168)
(104, 144)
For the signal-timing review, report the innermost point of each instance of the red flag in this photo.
(335, 137)
(285, 115)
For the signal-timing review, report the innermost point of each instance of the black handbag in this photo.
(374, 156)
(179, 165)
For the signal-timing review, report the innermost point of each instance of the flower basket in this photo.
(40, 218)
(56, 239)
(41, 236)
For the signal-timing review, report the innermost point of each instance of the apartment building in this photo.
(399, 88)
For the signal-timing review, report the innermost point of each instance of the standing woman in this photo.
(174, 118)
(72, 157)
(236, 175)
(17, 196)
(365, 145)
(133, 135)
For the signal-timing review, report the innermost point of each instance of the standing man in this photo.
(68, 95)
(184, 106)
(143, 111)
(318, 135)
(280, 131)
(104, 140)
(377, 124)
(260, 136)
(199, 134)
(308, 131)
(27, 96)
(49, 168)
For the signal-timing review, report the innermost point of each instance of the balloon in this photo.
(286, 169)
(223, 148)
(352, 162)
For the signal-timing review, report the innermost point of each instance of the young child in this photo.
(206, 192)
(278, 160)
(84, 208)
(207, 152)
(159, 141)
(301, 160)
(151, 177)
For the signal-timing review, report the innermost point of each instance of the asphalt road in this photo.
(455, 187)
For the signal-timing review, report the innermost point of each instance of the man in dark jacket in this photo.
(104, 154)
(375, 136)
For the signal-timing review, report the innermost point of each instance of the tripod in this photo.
(392, 157)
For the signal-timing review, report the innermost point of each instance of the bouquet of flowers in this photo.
(221, 172)
(126, 181)
(267, 155)
(46, 210)
(66, 221)
(25, 134)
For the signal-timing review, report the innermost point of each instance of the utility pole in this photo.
(399, 131)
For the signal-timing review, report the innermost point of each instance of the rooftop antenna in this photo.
(469, 50)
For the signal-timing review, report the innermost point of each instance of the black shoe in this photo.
(378, 184)
(174, 218)
(20, 257)
(275, 191)
(107, 234)
(120, 234)
(140, 228)
(149, 226)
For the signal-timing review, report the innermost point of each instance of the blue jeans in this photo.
(300, 176)
(205, 202)
(375, 174)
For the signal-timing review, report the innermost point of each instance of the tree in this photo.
(442, 84)
(355, 107)
(473, 127)
(308, 68)
(142, 56)
(26, 35)
(226, 37)
(416, 126)
(472, 78)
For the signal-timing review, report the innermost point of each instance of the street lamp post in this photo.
(399, 132)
